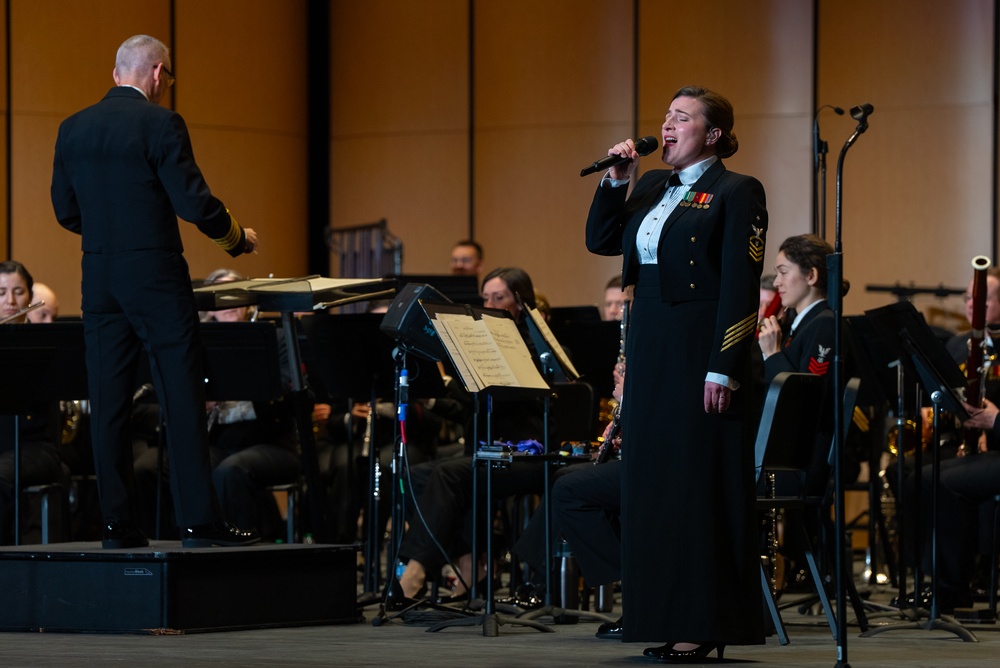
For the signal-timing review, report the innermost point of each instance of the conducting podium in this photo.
(290, 296)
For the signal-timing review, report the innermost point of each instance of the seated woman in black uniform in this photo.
(37, 430)
(801, 282)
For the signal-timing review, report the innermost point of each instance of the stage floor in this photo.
(396, 643)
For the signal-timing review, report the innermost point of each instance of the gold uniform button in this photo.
(694, 239)
(692, 286)
(691, 263)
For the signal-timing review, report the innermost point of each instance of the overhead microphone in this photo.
(861, 113)
(643, 146)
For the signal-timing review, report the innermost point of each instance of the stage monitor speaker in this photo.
(406, 321)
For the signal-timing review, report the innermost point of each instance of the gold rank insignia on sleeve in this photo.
(756, 249)
(233, 237)
(740, 331)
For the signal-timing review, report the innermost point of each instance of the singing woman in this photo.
(693, 244)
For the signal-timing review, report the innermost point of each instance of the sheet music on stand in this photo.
(486, 349)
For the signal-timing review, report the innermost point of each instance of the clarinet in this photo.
(607, 448)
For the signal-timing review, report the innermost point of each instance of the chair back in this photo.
(790, 418)
(572, 413)
(851, 391)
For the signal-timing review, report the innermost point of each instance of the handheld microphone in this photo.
(643, 146)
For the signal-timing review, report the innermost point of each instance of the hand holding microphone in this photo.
(619, 154)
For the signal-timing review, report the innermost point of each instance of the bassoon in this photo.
(974, 371)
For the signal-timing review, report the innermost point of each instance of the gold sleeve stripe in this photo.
(740, 331)
(860, 419)
(232, 237)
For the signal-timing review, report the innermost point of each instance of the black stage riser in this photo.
(167, 589)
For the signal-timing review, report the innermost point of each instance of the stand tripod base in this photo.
(491, 624)
(555, 612)
(942, 623)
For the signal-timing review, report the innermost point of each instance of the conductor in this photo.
(123, 172)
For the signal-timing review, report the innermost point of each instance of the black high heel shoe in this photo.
(668, 654)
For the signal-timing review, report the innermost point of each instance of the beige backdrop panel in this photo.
(62, 57)
(4, 223)
(400, 124)
(917, 190)
(550, 99)
(758, 55)
(241, 86)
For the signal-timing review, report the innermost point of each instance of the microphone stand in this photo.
(835, 297)
(820, 149)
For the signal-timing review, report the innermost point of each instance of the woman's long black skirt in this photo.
(690, 561)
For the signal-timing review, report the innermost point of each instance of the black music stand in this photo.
(474, 382)
(552, 370)
(904, 330)
(48, 363)
(353, 359)
(594, 345)
(290, 296)
(459, 289)
(226, 349)
(881, 379)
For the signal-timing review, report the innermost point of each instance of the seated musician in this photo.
(253, 445)
(434, 425)
(586, 504)
(49, 309)
(37, 431)
(446, 500)
(966, 485)
(954, 590)
(801, 283)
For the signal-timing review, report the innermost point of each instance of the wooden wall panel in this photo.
(62, 57)
(549, 101)
(917, 186)
(242, 91)
(400, 123)
(5, 228)
(758, 55)
(241, 87)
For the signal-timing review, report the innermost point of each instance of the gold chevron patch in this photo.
(740, 331)
(756, 250)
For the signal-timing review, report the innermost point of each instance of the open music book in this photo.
(485, 348)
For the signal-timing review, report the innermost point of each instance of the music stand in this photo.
(48, 363)
(290, 296)
(460, 289)
(478, 374)
(352, 359)
(904, 330)
(875, 365)
(594, 345)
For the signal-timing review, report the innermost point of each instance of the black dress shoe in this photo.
(948, 600)
(121, 535)
(218, 534)
(397, 601)
(699, 654)
(610, 630)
